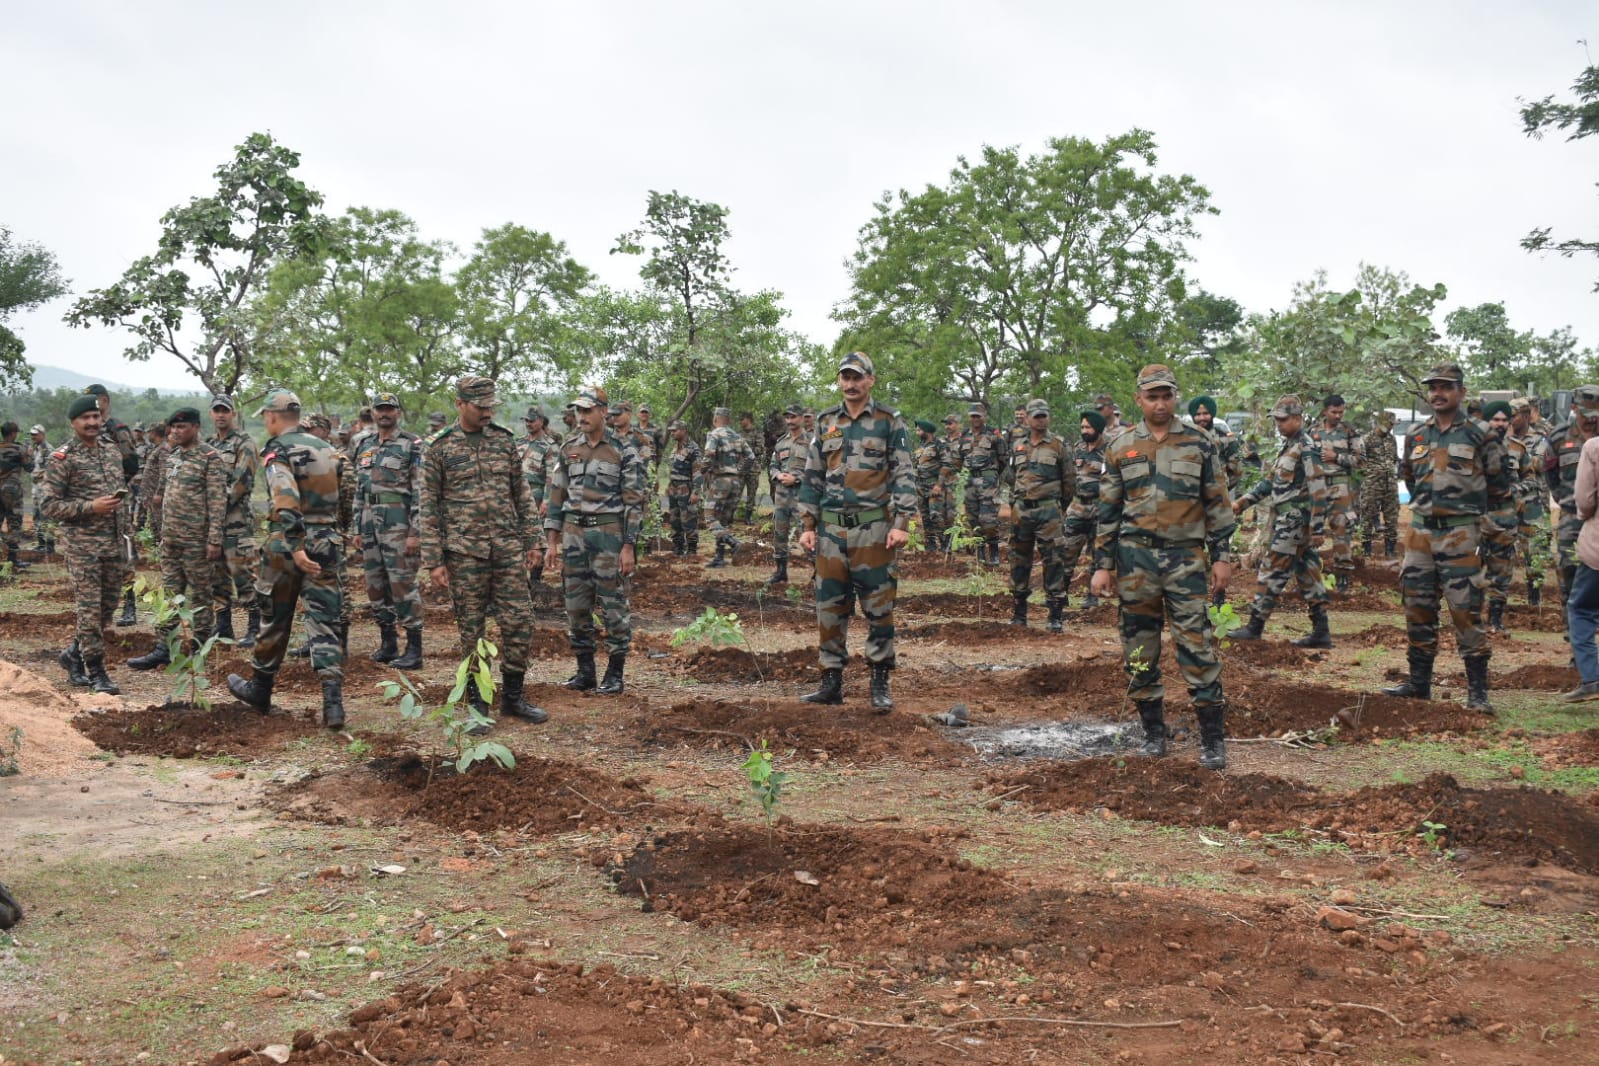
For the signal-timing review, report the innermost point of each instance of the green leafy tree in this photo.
(1495, 355)
(1045, 274)
(519, 296)
(30, 277)
(1578, 118)
(190, 299)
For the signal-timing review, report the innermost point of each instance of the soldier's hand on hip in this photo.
(807, 540)
(1103, 583)
(440, 576)
(627, 560)
(306, 564)
(1220, 574)
(898, 538)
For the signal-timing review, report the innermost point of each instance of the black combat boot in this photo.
(1212, 736)
(1019, 614)
(1057, 615)
(252, 629)
(388, 648)
(475, 699)
(17, 565)
(333, 703)
(512, 701)
(160, 655)
(780, 573)
(1419, 687)
(1152, 713)
(1366, 547)
(1477, 685)
(612, 684)
(583, 680)
(225, 625)
(993, 553)
(130, 614)
(1496, 618)
(412, 659)
(677, 545)
(256, 692)
(719, 560)
(1341, 581)
(831, 691)
(99, 680)
(1320, 635)
(1390, 547)
(1534, 595)
(1254, 630)
(882, 702)
(72, 663)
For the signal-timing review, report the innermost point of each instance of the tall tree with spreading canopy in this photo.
(1579, 117)
(1495, 355)
(519, 295)
(1050, 274)
(30, 277)
(190, 299)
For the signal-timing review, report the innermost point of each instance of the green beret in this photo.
(1094, 418)
(83, 405)
(1498, 406)
(925, 426)
(1202, 401)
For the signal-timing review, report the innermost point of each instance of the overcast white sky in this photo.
(1328, 134)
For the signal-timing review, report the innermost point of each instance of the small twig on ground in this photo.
(196, 803)
(1007, 795)
(1379, 1010)
(570, 788)
(712, 733)
(998, 1020)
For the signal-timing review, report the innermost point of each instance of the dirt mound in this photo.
(1518, 825)
(33, 626)
(227, 729)
(1378, 636)
(1548, 618)
(1262, 706)
(1269, 652)
(1569, 749)
(851, 734)
(541, 795)
(36, 724)
(1541, 677)
(951, 604)
(1366, 600)
(1095, 677)
(746, 600)
(739, 666)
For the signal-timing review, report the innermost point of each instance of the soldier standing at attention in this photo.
(595, 515)
(1298, 494)
(152, 476)
(120, 434)
(723, 456)
(658, 437)
(535, 449)
(857, 502)
(1379, 488)
(301, 554)
(749, 470)
(1163, 508)
(1500, 523)
(929, 459)
(949, 477)
(1082, 516)
(1560, 475)
(682, 490)
(1340, 453)
(240, 556)
(785, 473)
(13, 463)
(192, 497)
(1043, 483)
(983, 455)
(1456, 474)
(388, 500)
(480, 536)
(85, 489)
(1018, 430)
(39, 457)
(1531, 448)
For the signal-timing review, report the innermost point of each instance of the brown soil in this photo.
(1276, 652)
(36, 735)
(227, 729)
(1570, 749)
(1260, 706)
(1393, 638)
(821, 734)
(1549, 618)
(18, 624)
(1541, 677)
(995, 632)
(739, 666)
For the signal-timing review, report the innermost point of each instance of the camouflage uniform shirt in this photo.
(858, 464)
(605, 479)
(77, 475)
(194, 504)
(474, 495)
(1164, 492)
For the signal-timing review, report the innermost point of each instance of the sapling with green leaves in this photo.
(456, 718)
(766, 782)
(186, 654)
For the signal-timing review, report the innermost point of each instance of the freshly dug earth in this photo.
(36, 733)
(843, 734)
(227, 729)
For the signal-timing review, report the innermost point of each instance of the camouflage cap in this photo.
(36, 429)
(857, 361)
(976, 409)
(1385, 417)
(1156, 375)
(184, 414)
(534, 414)
(722, 412)
(1586, 397)
(676, 424)
(793, 410)
(1518, 405)
(952, 419)
(1287, 407)
(592, 396)
(281, 401)
(644, 409)
(1449, 372)
(476, 390)
(1104, 399)
(222, 400)
(138, 427)
(621, 407)
(1037, 407)
(319, 421)
(95, 390)
(386, 399)
(437, 418)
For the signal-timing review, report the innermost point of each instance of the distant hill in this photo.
(55, 377)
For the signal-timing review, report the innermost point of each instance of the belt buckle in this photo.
(850, 521)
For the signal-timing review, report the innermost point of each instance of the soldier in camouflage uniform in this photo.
(320, 426)
(595, 515)
(1105, 404)
(1082, 516)
(1043, 481)
(300, 556)
(39, 457)
(930, 461)
(949, 477)
(1379, 488)
(152, 477)
(388, 497)
(749, 471)
(236, 577)
(1499, 525)
(857, 502)
(785, 473)
(1456, 474)
(480, 536)
(684, 475)
(85, 489)
(1202, 409)
(191, 495)
(658, 436)
(1560, 475)
(724, 454)
(1340, 454)
(1163, 508)
(13, 467)
(1015, 433)
(535, 449)
(1298, 493)
(120, 434)
(983, 455)
(1531, 449)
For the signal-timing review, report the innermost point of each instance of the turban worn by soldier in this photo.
(1497, 407)
(1094, 418)
(1202, 401)
(925, 426)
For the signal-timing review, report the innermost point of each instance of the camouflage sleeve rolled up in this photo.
(859, 464)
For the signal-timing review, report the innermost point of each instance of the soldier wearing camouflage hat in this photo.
(685, 472)
(1340, 454)
(929, 458)
(13, 465)
(983, 455)
(235, 578)
(784, 473)
(1531, 449)
(1043, 482)
(120, 434)
(723, 453)
(388, 501)
(38, 456)
(535, 446)
(1379, 489)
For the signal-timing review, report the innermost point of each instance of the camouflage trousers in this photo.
(97, 585)
(498, 586)
(1291, 555)
(721, 500)
(982, 506)
(591, 576)
(855, 564)
(153, 517)
(1442, 564)
(391, 575)
(235, 576)
(933, 502)
(278, 592)
(1341, 523)
(186, 572)
(1079, 528)
(1567, 526)
(752, 492)
(1039, 524)
(1379, 508)
(1533, 530)
(11, 513)
(1498, 552)
(785, 507)
(1155, 583)
(684, 518)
